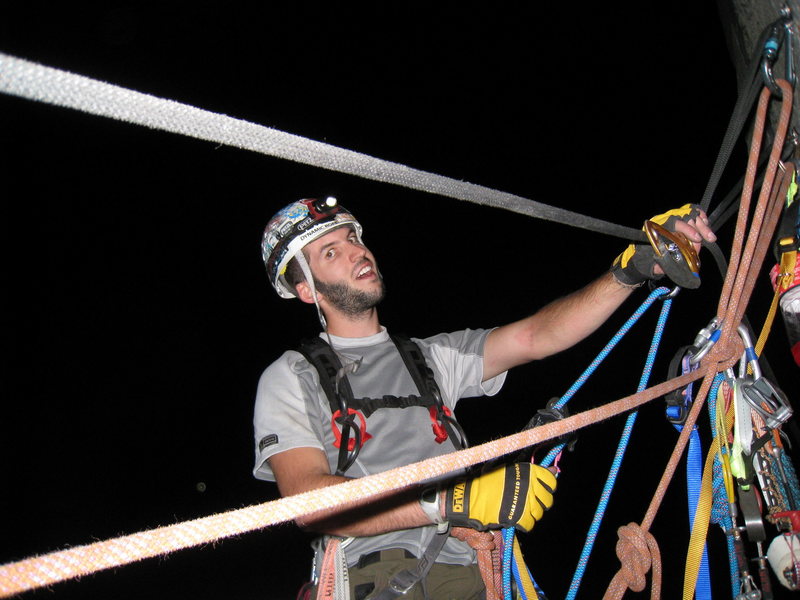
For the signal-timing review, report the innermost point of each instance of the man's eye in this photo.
(329, 254)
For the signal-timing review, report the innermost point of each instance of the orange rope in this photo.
(487, 545)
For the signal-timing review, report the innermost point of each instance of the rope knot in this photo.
(487, 545)
(637, 550)
(478, 540)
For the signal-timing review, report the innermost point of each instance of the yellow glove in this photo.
(636, 264)
(514, 495)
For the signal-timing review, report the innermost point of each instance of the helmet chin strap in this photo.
(301, 260)
(350, 366)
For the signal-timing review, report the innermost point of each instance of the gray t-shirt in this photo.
(292, 411)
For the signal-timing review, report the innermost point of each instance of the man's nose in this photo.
(357, 252)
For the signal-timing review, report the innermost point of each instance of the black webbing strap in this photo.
(340, 394)
(427, 386)
(328, 365)
(321, 356)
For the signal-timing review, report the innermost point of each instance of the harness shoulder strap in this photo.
(416, 365)
(324, 359)
(444, 424)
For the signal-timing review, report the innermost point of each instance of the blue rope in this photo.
(721, 515)
(508, 562)
(694, 477)
(655, 295)
(792, 491)
(508, 533)
(618, 456)
(720, 512)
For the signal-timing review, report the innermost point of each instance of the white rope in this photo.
(30, 80)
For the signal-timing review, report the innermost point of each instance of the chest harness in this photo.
(346, 409)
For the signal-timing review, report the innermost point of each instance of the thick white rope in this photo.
(33, 81)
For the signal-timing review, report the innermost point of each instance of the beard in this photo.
(351, 302)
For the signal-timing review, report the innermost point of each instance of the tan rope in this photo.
(487, 546)
(66, 564)
(637, 550)
(327, 579)
(746, 261)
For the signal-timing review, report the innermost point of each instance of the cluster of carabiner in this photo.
(762, 395)
(760, 409)
(757, 474)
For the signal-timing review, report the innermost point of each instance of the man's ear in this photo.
(303, 291)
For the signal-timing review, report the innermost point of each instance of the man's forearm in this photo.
(378, 515)
(304, 469)
(559, 325)
(568, 320)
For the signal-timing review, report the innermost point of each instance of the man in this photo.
(313, 251)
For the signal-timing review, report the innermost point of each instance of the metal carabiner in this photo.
(669, 295)
(781, 31)
(770, 53)
(749, 357)
(705, 339)
(762, 395)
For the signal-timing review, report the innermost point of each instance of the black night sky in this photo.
(139, 316)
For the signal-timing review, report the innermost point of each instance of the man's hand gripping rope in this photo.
(513, 495)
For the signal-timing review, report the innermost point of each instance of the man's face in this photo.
(344, 272)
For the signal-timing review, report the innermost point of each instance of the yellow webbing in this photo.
(702, 516)
(524, 576)
(784, 279)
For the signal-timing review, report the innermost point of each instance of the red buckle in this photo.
(438, 428)
(337, 433)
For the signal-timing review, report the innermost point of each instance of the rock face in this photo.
(744, 21)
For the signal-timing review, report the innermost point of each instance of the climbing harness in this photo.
(345, 409)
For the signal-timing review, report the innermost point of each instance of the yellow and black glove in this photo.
(673, 252)
(514, 495)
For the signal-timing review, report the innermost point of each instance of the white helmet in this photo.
(295, 226)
